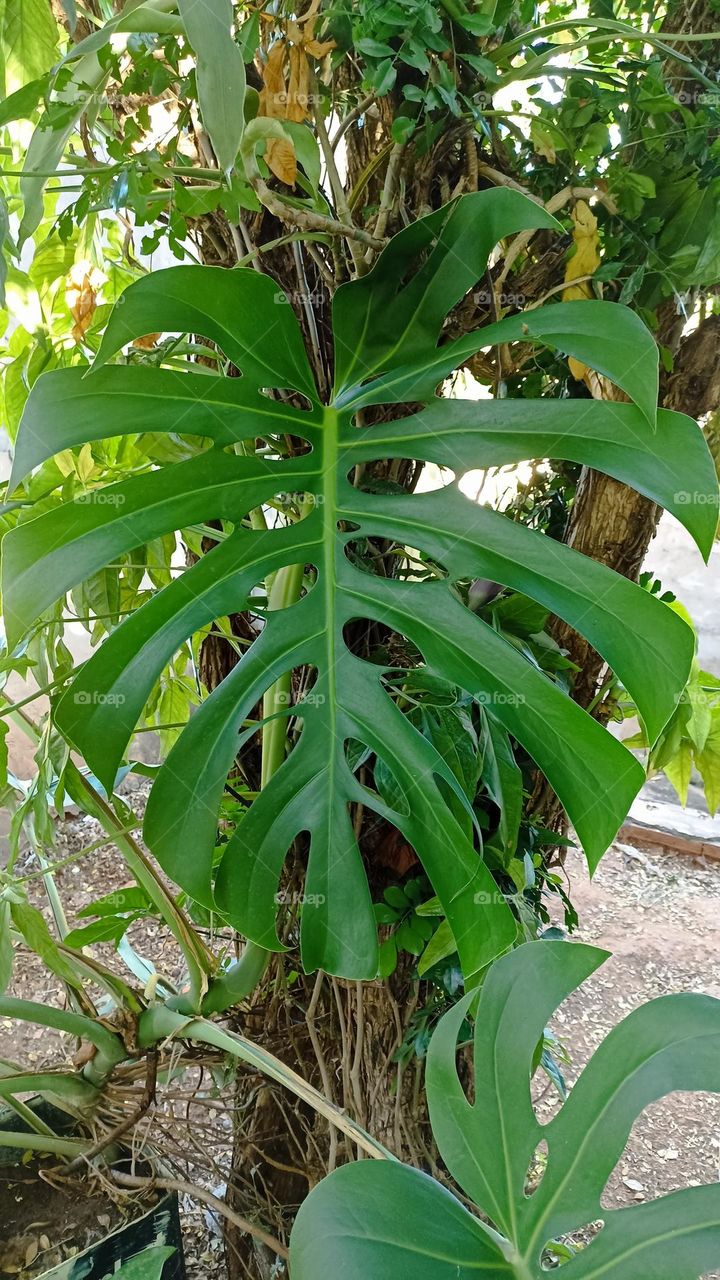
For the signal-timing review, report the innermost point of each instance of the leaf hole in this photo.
(557, 1253)
(297, 399)
(392, 476)
(536, 1168)
(382, 558)
(374, 642)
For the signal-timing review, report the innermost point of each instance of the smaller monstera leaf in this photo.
(387, 1220)
(388, 332)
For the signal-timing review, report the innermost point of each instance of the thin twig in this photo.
(307, 220)
(388, 195)
(213, 1202)
(350, 118)
(336, 186)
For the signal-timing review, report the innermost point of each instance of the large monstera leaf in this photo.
(387, 329)
(387, 1220)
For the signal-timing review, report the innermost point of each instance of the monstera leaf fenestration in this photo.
(385, 1219)
(387, 331)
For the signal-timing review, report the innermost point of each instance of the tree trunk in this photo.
(343, 1037)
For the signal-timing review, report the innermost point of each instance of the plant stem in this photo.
(110, 1047)
(72, 1087)
(40, 1142)
(237, 983)
(199, 960)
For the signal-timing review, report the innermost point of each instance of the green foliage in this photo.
(430, 727)
(386, 1219)
(148, 1265)
(690, 740)
(28, 42)
(386, 328)
(220, 74)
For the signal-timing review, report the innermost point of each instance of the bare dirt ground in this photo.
(658, 914)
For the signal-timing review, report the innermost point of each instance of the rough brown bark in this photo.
(342, 1037)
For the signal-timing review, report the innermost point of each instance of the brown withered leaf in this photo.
(281, 159)
(287, 84)
(319, 48)
(273, 95)
(147, 342)
(298, 94)
(82, 285)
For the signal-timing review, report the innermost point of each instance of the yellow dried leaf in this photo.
(147, 342)
(298, 95)
(584, 262)
(319, 48)
(273, 96)
(280, 159)
(310, 16)
(586, 258)
(82, 285)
